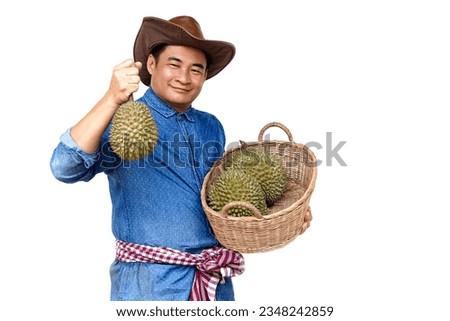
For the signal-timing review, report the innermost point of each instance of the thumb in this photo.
(138, 65)
(125, 64)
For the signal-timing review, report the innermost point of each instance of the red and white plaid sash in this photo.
(212, 264)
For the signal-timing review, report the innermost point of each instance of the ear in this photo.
(151, 64)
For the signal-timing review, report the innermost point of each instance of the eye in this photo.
(197, 71)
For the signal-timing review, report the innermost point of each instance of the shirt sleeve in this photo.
(70, 164)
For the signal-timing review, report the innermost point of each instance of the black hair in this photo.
(156, 51)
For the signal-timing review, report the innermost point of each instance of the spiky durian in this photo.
(133, 133)
(267, 168)
(236, 185)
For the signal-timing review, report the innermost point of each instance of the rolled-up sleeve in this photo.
(70, 164)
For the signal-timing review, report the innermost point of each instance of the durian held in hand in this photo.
(251, 175)
(133, 133)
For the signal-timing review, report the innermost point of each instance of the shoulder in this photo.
(208, 123)
(205, 117)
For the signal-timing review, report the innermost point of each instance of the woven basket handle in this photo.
(275, 124)
(224, 211)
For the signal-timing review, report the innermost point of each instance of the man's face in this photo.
(178, 76)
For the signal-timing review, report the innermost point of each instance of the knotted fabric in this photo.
(213, 264)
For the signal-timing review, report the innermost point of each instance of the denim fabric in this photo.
(156, 200)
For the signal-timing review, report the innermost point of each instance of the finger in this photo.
(133, 79)
(125, 64)
(132, 88)
(130, 71)
(129, 67)
(131, 74)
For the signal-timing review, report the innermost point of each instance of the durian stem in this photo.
(244, 145)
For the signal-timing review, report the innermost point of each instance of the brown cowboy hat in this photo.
(181, 31)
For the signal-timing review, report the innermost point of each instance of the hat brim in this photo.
(156, 31)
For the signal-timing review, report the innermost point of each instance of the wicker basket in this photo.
(286, 219)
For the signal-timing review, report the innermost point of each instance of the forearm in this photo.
(88, 131)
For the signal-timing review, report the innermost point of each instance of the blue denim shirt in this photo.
(156, 200)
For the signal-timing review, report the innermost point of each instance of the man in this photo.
(164, 239)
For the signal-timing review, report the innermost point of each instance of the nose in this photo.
(184, 76)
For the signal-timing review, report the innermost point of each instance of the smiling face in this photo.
(177, 75)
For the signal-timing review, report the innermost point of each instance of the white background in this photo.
(375, 74)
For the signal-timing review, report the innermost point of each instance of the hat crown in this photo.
(189, 24)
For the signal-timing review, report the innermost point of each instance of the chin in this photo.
(181, 100)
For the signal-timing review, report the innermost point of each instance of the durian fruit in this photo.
(133, 133)
(267, 168)
(235, 185)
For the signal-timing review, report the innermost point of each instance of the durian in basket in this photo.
(257, 196)
(251, 175)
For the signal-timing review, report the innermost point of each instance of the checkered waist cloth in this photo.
(212, 264)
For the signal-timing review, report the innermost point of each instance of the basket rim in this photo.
(219, 163)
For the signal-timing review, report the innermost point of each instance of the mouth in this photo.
(181, 89)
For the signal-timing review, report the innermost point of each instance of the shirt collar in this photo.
(154, 102)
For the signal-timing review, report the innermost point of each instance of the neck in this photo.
(178, 107)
